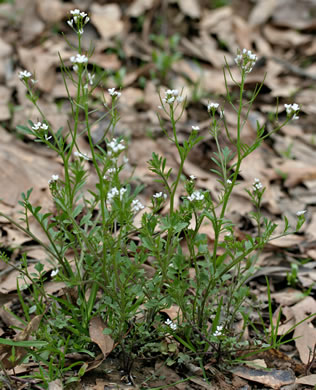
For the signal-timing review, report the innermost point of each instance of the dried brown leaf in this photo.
(309, 380)
(261, 12)
(174, 312)
(53, 11)
(288, 297)
(190, 8)
(139, 7)
(104, 341)
(272, 378)
(55, 385)
(20, 352)
(107, 19)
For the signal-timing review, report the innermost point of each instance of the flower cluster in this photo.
(212, 107)
(39, 125)
(25, 75)
(109, 172)
(257, 185)
(115, 146)
(218, 331)
(292, 110)
(53, 185)
(246, 60)
(79, 20)
(171, 324)
(172, 95)
(159, 195)
(79, 59)
(136, 206)
(42, 129)
(113, 93)
(53, 179)
(115, 192)
(197, 195)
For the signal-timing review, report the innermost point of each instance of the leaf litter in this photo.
(282, 33)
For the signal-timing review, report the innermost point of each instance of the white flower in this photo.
(159, 195)
(115, 146)
(114, 93)
(171, 324)
(75, 12)
(79, 59)
(246, 60)
(75, 68)
(86, 20)
(257, 185)
(40, 125)
(228, 181)
(47, 137)
(171, 95)
(71, 23)
(292, 110)
(180, 99)
(82, 155)
(80, 31)
(109, 172)
(302, 212)
(24, 75)
(136, 205)
(53, 179)
(122, 192)
(196, 128)
(112, 193)
(91, 78)
(36, 126)
(212, 106)
(192, 177)
(172, 92)
(54, 272)
(218, 331)
(197, 195)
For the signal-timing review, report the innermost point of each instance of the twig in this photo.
(32, 382)
(293, 68)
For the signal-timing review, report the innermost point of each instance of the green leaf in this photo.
(25, 344)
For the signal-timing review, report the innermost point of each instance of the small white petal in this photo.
(54, 272)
